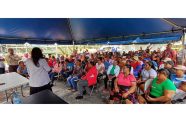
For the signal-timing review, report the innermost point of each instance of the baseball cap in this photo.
(147, 59)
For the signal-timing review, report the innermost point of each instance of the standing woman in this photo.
(38, 69)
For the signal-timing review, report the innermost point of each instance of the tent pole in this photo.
(56, 46)
(183, 43)
(71, 32)
(56, 51)
(73, 47)
(16, 48)
(183, 39)
(171, 23)
(1, 48)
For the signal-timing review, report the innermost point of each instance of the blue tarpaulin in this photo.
(89, 30)
(34, 30)
(143, 41)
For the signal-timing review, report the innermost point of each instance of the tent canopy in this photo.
(180, 22)
(89, 30)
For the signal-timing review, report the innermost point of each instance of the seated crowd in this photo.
(125, 75)
(142, 76)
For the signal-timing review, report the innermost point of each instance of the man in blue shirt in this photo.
(179, 76)
(106, 63)
(22, 70)
(69, 69)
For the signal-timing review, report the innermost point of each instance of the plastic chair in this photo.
(57, 76)
(147, 84)
(93, 87)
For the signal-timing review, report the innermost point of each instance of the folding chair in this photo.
(101, 78)
(93, 87)
(57, 76)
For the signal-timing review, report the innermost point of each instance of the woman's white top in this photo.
(38, 75)
(148, 74)
(99, 67)
(116, 70)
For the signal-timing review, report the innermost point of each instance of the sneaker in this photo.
(69, 88)
(106, 101)
(74, 90)
(79, 97)
(105, 90)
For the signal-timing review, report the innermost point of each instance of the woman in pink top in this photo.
(57, 69)
(124, 87)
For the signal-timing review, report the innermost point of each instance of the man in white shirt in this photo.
(112, 73)
(182, 56)
(101, 70)
(2, 65)
(180, 96)
(12, 60)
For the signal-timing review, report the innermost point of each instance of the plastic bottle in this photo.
(16, 98)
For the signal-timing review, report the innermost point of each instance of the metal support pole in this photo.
(56, 51)
(183, 39)
(22, 91)
(56, 47)
(183, 43)
(73, 47)
(6, 96)
(16, 48)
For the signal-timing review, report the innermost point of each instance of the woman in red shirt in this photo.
(125, 87)
(50, 62)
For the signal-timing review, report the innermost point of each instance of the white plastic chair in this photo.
(147, 84)
(58, 77)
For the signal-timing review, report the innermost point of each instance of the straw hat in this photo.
(135, 58)
(167, 59)
(180, 67)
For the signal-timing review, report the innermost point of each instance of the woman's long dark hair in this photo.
(36, 54)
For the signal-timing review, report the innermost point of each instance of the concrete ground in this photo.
(61, 90)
